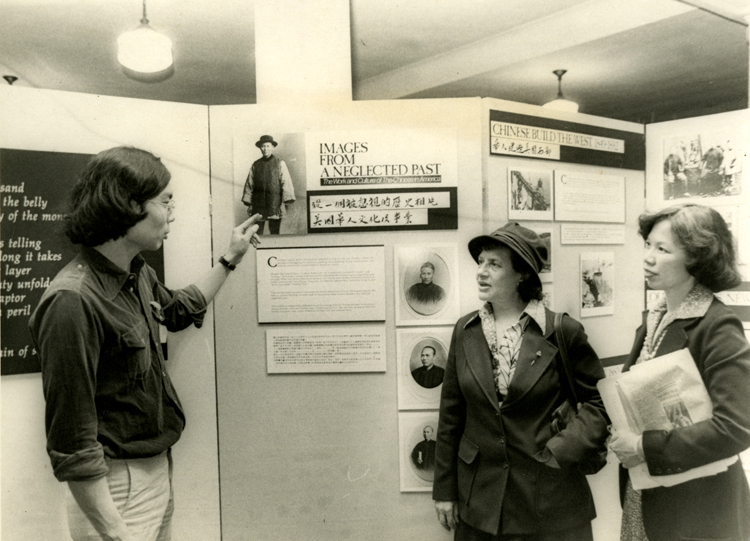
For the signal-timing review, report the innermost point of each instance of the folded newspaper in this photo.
(662, 394)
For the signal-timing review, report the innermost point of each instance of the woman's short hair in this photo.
(109, 195)
(706, 239)
(530, 286)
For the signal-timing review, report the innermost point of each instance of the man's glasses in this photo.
(169, 205)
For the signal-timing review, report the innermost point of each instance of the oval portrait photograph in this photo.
(427, 284)
(427, 363)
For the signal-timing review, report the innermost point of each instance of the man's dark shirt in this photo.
(106, 389)
(423, 455)
(429, 378)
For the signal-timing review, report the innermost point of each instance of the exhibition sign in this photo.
(321, 284)
(381, 181)
(589, 197)
(738, 300)
(513, 134)
(326, 350)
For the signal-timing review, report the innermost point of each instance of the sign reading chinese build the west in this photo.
(376, 181)
(524, 136)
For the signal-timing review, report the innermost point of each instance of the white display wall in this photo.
(32, 500)
(316, 456)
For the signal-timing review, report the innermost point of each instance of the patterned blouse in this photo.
(505, 349)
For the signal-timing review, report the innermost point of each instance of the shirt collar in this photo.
(111, 276)
(534, 309)
(695, 304)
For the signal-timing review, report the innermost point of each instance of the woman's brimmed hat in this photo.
(525, 242)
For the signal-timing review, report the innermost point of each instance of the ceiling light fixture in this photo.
(144, 50)
(560, 103)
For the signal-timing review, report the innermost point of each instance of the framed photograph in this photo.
(529, 194)
(698, 160)
(270, 179)
(597, 283)
(548, 295)
(422, 354)
(546, 232)
(416, 434)
(702, 165)
(427, 284)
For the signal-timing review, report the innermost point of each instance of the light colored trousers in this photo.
(142, 491)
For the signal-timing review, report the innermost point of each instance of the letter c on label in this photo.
(272, 261)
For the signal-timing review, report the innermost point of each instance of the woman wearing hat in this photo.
(502, 472)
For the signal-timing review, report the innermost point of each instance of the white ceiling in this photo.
(637, 60)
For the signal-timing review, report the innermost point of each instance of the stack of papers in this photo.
(662, 394)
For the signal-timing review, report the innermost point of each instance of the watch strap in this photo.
(227, 264)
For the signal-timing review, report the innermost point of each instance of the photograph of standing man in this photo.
(423, 454)
(268, 188)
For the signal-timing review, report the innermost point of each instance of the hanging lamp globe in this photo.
(144, 50)
(560, 103)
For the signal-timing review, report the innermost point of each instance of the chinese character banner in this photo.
(375, 181)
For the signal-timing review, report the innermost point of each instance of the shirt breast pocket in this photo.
(135, 352)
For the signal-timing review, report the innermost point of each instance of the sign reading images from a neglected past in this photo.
(381, 181)
(34, 190)
(524, 136)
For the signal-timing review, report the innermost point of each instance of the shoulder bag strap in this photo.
(562, 346)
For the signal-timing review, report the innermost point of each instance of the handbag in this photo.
(568, 409)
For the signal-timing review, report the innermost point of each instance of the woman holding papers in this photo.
(502, 471)
(690, 255)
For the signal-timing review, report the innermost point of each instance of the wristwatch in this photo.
(227, 264)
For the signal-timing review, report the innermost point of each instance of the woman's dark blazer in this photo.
(485, 456)
(716, 507)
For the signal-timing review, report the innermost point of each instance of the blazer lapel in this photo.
(675, 338)
(478, 354)
(535, 356)
(640, 337)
